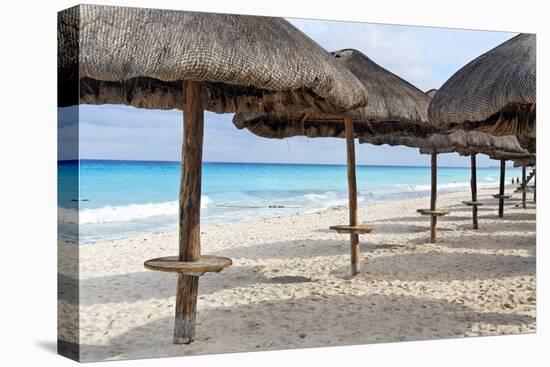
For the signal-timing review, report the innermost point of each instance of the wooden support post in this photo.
(501, 188)
(433, 198)
(189, 211)
(352, 195)
(524, 187)
(473, 185)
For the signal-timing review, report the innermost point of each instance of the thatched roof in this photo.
(518, 159)
(140, 57)
(472, 142)
(394, 105)
(459, 141)
(526, 161)
(463, 143)
(495, 93)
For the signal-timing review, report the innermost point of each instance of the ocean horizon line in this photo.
(124, 197)
(264, 163)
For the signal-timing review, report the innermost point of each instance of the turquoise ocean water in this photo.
(125, 198)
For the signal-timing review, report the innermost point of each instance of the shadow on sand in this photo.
(137, 286)
(145, 285)
(444, 267)
(304, 323)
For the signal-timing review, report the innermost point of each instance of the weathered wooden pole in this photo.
(524, 188)
(352, 195)
(433, 198)
(473, 185)
(501, 188)
(189, 211)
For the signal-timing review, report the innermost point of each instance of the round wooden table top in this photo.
(359, 229)
(436, 213)
(206, 263)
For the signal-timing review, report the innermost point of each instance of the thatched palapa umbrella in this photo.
(464, 143)
(503, 148)
(394, 105)
(469, 144)
(524, 187)
(519, 159)
(494, 93)
(163, 59)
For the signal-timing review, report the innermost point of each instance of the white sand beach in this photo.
(289, 286)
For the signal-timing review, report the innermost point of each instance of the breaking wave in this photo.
(123, 213)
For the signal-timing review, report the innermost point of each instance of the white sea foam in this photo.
(445, 186)
(320, 197)
(123, 213)
(328, 199)
(406, 187)
(205, 201)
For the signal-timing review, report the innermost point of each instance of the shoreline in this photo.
(289, 286)
(266, 163)
(387, 198)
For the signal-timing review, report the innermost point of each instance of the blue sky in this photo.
(424, 56)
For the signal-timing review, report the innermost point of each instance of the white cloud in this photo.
(424, 56)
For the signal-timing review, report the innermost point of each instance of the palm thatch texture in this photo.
(519, 159)
(494, 93)
(161, 59)
(140, 57)
(395, 106)
(527, 162)
(462, 142)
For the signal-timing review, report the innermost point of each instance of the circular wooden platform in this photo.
(360, 229)
(472, 203)
(436, 213)
(206, 263)
(497, 196)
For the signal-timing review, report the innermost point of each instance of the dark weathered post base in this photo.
(355, 254)
(186, 308)
(433, 231)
